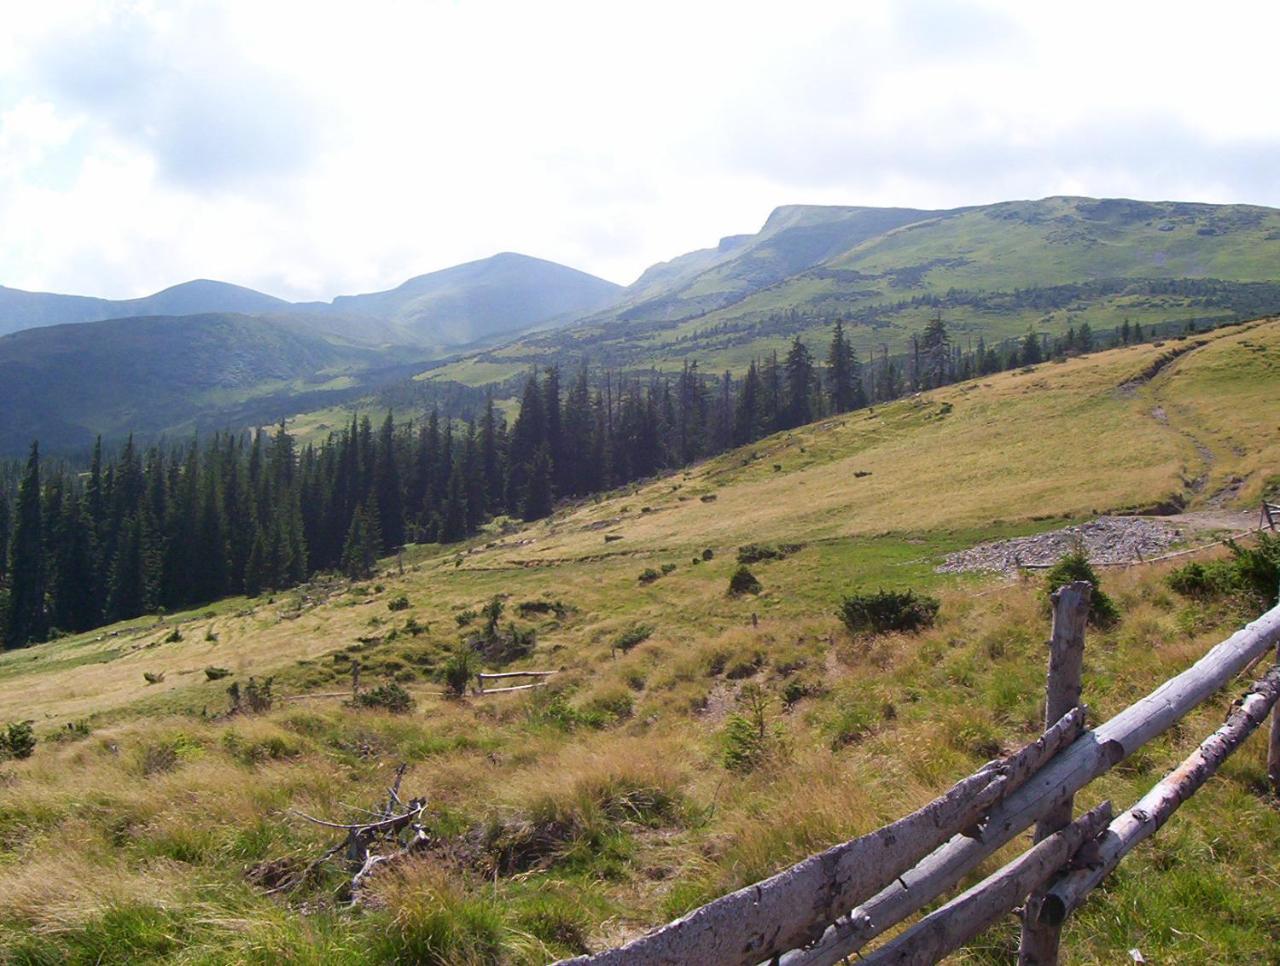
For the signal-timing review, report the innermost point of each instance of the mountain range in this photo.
(213, 354)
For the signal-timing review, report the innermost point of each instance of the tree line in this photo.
(173, 526)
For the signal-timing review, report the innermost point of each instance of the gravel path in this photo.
(1107, 540)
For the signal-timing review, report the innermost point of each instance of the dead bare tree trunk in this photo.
(1155, 807)
(1039, 945)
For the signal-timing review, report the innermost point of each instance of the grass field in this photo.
(574, 817)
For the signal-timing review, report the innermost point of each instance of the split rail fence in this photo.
(831, 905)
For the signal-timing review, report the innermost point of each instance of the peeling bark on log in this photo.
(1093, 754)
(1039, 943)
(1155, 807)
(1273, 750)
(972, 912)
(793, 907)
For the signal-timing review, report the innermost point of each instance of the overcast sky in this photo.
(314, 149)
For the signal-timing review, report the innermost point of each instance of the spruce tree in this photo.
(387, 488)
(1029, 353)
(358, 553)
(453, 515)
(799, 379)
(841, 372)
(75, 607)
(537, 496)
(26, 621)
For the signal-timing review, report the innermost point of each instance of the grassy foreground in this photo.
(572, 818)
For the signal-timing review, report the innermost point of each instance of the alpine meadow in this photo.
(878, 583)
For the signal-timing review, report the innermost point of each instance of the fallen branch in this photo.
(388, 826)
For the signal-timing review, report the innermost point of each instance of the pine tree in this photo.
(386, 486)
(453, 516)
(934, 350)
(75, 607)
(747, 419)
(26, 621)
(799, 377)
(358, 553)
(841, 375)
(537, 497)
(1029, 353)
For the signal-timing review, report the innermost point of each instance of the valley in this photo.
(573, 817)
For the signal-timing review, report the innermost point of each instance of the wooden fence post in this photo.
(1273, 750)
(1039, 945)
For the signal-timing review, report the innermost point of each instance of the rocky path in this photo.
(1106, 540)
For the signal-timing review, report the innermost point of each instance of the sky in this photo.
(315, 149)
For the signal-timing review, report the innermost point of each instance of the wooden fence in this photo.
(832, 905)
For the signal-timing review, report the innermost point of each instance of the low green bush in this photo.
(389, 697)
(18, 740)
(635, 635)
(1075, 566)
(888, 610)
(398, 603)
(742, 582)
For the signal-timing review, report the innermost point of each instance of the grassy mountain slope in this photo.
(65, 384)
(995, 271)
(571, 818)
(23, 310)
(484, 299)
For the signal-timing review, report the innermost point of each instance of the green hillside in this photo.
(481, 300)
(994, 271)
(569, 819)
(65, 384)
(23, 310)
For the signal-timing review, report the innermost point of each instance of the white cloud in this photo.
(311, 149)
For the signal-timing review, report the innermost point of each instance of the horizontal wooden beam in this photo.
(1156, 807)
(971, 913)
(1093, 754)
(515, 674)
(794, 906)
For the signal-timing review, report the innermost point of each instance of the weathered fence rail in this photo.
(506, 675)
(831, 905)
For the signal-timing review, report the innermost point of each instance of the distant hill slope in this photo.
(64, 384)
(456, 307)
(24, 310)
(993, 271)
(480, 300)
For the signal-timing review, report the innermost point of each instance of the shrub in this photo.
(216, 673)
(73, 731)
(174, 636)
(18, 740)
(888, 610)
(527, 607)
(398, 603)
(210, 636)
(458, 671)
(255, 697)
(747, 737)
(615, 701)
(667, 568)
(708, 554)
(756, 552)
(1075, 566)
(390, 697)
(1250, 572)
(648, 575)
(153, 677)
(464, 617)
(632, 636)
(413, 628)
(742, 582)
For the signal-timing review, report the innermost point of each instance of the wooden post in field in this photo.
(1273, 751)
(1039, 946)
(355, 679)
